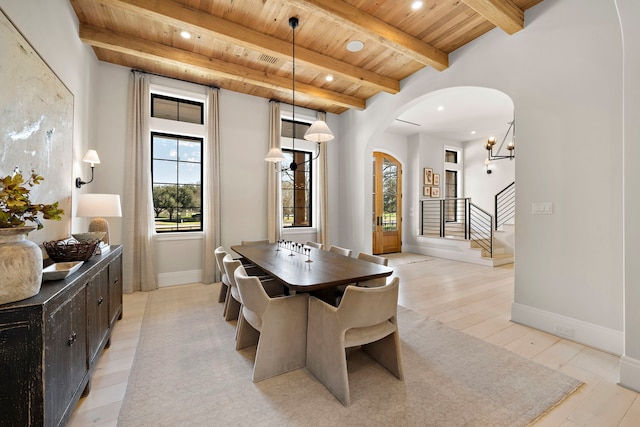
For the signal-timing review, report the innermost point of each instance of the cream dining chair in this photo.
(277, 325)
(314, 244)
(377, 260)
(219, 254)
(233, 302)
(339, 250)
(365, 317)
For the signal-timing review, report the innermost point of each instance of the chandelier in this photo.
(511, 145)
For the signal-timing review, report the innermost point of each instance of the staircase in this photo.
(459, 230)
(502, 247)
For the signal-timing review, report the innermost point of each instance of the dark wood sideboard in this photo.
(50, 343)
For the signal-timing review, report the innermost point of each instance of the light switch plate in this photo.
(542, 208)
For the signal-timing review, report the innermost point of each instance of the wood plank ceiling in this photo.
(246, 45)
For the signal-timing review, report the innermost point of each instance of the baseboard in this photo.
(179, 278)
(630, 373)
(455, 250)
(445, 248)
(595, 336)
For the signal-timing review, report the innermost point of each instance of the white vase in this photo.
(20, 265)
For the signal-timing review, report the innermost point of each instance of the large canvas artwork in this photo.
(36, 125)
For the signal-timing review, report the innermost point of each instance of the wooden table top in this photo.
(326, 270)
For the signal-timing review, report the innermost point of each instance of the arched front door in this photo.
(387, 204)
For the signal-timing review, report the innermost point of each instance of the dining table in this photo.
(306, 269)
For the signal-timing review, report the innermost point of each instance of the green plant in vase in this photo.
(21, 259)
(16, 208)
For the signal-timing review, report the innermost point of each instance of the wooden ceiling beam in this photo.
(129, 45)
(349, 16)
(176, 14)
(501, 13)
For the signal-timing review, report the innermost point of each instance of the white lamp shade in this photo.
(318, 132)
(91, 157)
(99, 205)
(274, 155)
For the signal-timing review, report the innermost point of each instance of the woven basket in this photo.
(70, 250)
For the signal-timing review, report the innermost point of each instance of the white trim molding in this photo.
(630, 373)
(595, 336)
(179, 278)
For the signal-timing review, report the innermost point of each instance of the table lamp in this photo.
(99, 206)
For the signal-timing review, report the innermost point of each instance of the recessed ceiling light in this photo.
(473, 132)
(355, 46)
(329, 78)
(416, 5)
(185, 34)
(440, 108)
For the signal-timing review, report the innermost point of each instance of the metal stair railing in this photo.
(457, 218)
(481, 229)
(505, 205)
(444, 218)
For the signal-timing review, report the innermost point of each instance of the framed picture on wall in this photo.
(436, 179)
(426, 191)
(435, 191)
(428, 176)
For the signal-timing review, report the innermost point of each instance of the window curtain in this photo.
(274, 202)
(139, 257)
(323, 190)
(211, 190)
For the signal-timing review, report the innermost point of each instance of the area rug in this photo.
(187, 373)
(402, 258)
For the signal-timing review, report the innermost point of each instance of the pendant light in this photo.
(318, 132)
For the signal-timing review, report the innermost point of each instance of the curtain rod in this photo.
(133, 70)
(288, 103)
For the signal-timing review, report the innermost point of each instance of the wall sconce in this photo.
(98, 206)
(90, 157)
(488, 166)
(511, 145)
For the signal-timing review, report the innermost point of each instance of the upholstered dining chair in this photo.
(378, 260)
(314, 244)
(366, 317)
(247, 264)
(219, 254)
(233, 302)
(339, 250)
(277, 325)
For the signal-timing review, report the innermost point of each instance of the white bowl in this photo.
(91, 235)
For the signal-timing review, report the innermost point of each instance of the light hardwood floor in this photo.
(474, 299)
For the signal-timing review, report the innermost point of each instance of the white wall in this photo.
(569, 152)
(479, 185)
(630, 363)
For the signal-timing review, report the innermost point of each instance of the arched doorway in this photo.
(387, 204)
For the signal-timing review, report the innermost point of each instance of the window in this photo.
(451, 192)
(177, 141)
(297, 186)
(182, 110)
(450, 156)
(452, 189)
(296, 190)
(177, 182)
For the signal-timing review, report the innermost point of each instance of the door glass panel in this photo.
(373, 196)
(390, 196)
